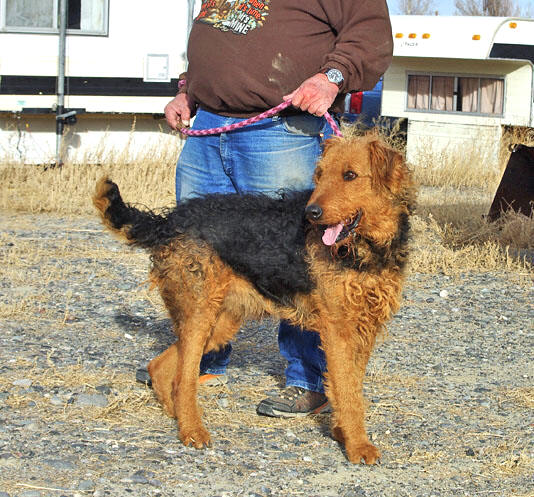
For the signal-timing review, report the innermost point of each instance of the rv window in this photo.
(442, 93)
(467, 95)
(491, 95)
(30, 14)
(418, 92)
(83, 16)
(472, 95)
(87, 15)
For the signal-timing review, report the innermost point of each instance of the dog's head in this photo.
(362, 189)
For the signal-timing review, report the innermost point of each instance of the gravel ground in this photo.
(450, 388)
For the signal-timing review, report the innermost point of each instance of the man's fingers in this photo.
(178, 111)
(289, 97)
(314, 95)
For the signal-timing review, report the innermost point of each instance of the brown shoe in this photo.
(294, 402)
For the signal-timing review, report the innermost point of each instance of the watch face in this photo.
(334, 76)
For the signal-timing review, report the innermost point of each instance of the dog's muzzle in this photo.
(336, 233)
(313, 212)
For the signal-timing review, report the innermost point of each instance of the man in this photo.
(246, 56)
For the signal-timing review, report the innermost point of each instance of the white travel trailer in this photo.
(122, 62)
(460, 79)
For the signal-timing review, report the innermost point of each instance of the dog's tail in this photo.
(132, 225)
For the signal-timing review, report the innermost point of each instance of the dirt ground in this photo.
(450, 388)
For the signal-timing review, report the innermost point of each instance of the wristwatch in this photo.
(335, 76)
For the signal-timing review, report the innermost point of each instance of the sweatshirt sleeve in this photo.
(364, 43)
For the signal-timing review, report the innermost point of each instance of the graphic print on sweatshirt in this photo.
(237, 16)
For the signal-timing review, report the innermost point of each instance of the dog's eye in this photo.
(349, 175)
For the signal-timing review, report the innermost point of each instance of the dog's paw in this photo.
(197, 437)
(367, 453)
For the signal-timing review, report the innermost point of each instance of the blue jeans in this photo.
(270, 156)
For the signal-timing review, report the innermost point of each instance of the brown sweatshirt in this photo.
(245, 55)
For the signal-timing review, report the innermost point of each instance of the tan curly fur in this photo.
(357, 289)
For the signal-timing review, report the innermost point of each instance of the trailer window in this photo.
(473, 95)
(31, 16)
(442, 93)
(418, 92)
(491, 95)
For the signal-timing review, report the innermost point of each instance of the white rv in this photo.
(460, 79)
(122, 62)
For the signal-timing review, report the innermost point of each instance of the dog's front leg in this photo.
(192, 338)
(346, 363)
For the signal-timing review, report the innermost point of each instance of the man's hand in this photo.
(314, 95)
(179, 111)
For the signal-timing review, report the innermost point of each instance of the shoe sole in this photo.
(274, 413)
(142, 376)
(212, 380)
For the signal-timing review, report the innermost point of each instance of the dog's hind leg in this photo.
(162, 370)
(193, 335)
(346, 363)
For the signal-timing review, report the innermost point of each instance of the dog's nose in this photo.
(314, 212)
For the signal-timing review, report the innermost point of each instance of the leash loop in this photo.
(252, 120)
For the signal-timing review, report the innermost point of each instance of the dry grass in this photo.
(149, 179)
(132, 404)
(451, 233)
(523, 397)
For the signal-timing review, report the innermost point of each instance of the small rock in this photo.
(444, 294)
(355, 492)
(24, 383)
(60, 464)
(141, 477)
(223, 402)
(103, 389)
(91, 400)
(470, 452)
(86, 485)
(56, 401)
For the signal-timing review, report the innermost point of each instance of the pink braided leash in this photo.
(252, 120)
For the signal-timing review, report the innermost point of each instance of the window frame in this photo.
(456, 77)
(55, 29)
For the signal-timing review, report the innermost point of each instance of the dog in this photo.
(329, 260)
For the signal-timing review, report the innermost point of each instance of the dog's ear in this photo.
(387, 167)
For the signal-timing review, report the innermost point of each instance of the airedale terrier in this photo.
(329, 260)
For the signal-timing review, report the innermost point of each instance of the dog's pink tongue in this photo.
(331, 233)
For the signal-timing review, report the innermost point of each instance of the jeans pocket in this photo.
(304, 124)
